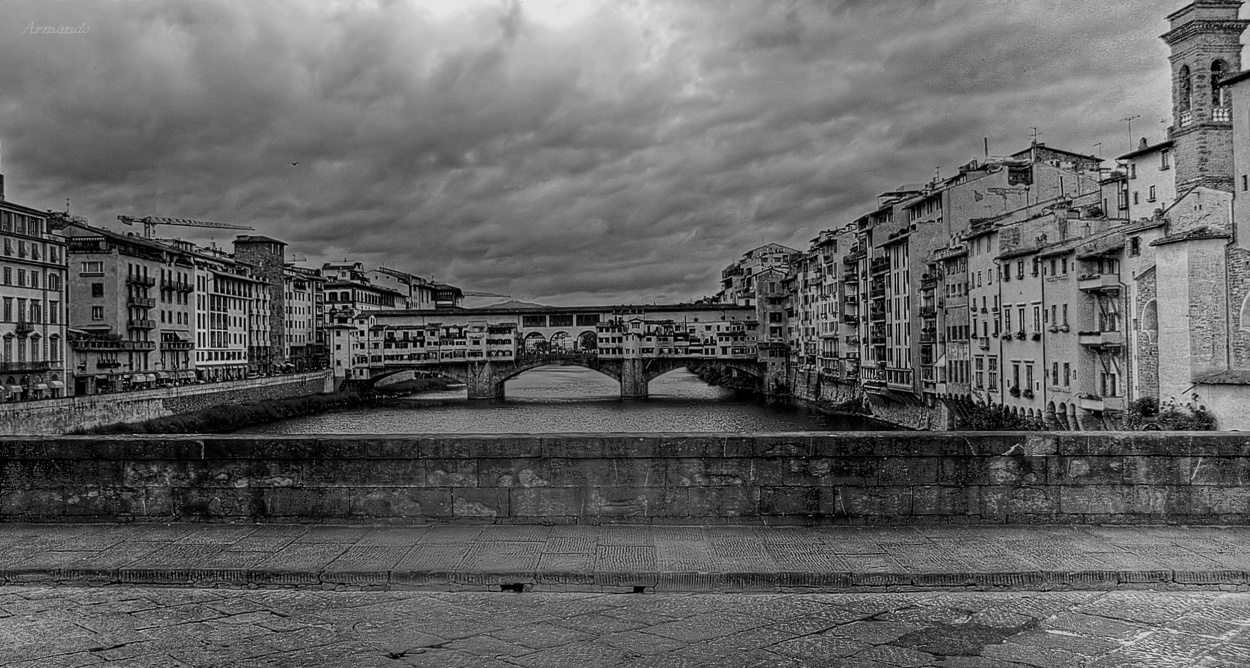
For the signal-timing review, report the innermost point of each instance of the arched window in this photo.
(1244, 320)
(1149, 323)
(1217, 93)
(1185, 90)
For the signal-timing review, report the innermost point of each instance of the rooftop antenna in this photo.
(1036, 134)
(1129, 120)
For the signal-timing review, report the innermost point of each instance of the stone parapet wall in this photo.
(58, 416)
(822, 478)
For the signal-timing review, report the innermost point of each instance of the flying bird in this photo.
(294, 164)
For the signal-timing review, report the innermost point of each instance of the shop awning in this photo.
(39, 387)
(141, 378)
(56, 385)
(16, 389)
(101, 376)
(162, 375)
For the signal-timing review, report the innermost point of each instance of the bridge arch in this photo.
(560, 341)
(587, 340)
(535, 341)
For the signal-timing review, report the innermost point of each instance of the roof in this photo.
(256, 238)
(1234, 78)
(1204, 232)
(1056, 150)
(1146, 149)
(1019, 252)
(1230, 377)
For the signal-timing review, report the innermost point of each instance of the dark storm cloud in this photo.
(618, 151)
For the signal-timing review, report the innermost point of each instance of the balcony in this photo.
(179, 286)
(877, 340)
(107, 364)
(928, 312)
(876, 315)
(24, 328)
(877, 293)
(138, 345)
(31, 367)
(850, 319)
(879, 265)
(95, 344)
(1187, 117)
(850, 277)
(927, 336)
(175, 345)
(1222, 114)
(141, 302)
(928, 282)
(850, 299)
(1098, 283)
(145, 281)
(1101, 339)
(1090, 402)
(141, 324)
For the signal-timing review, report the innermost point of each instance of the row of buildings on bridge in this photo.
(1041, 282)
(89, 310)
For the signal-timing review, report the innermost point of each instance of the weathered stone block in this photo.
(639, 472)
(595, 446)
(346, 473)
(471, 502)
(402, 502)
(891, 502)
(219, 503)
(546, 501)
(482, 446)
(772, 445)
(1155, 470)
(845, 444)
(718, 502)
(310, 503)
(1100, 470)
(637, 502)
(857, 471)
(909, 471)
(945, 500)
(1095, 499)
(32, 503)
(709, 472)
(450, 472)
(790, 501)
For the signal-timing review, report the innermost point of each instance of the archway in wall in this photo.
(587, 341)
(1149, 324)
(561, 341)
(1243, 322)
(1073, 422)
(1061, 412)
(535, 342)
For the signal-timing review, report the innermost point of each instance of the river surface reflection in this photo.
(571, 399)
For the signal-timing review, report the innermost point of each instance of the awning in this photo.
(162, 375)
(141, 378)
(101, 376)
(39, 387)
(186, 374)
(16, 389)
(56, 385)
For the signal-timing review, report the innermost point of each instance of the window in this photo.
(993, 373)
(1134, 246)
(1054, 373)
(1064, 264)
(1132, 171)
(1028, 377)
(1065, 315)
(1037, 318)
(1020, 269)
(8, 309)
(1163, 159)
(1136, 197)
(92, 269)
(1015, 375)
(1151, 198)
(8, 276)
(1245, 182)
(1185, 89)
(97, 312)
(1067, 374)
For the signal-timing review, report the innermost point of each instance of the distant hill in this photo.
(512, 303)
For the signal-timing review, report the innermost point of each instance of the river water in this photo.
(571, 399)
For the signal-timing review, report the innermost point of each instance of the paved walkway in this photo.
(627, 558)
(172, 628)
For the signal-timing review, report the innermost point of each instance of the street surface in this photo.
(149, 627)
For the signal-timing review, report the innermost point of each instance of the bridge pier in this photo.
(633, 379)
(482, 382)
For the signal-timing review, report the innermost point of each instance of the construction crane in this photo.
(150, 223)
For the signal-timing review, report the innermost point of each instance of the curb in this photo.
(627, 582)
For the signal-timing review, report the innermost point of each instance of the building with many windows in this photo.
(32, 289)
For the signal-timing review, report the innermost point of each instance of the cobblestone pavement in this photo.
(124, 626)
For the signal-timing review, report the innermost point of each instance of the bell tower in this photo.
(1205, 41)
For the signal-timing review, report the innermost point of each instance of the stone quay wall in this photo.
(791, 478)
(58, 416)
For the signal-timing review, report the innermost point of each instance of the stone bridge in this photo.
(485, 379)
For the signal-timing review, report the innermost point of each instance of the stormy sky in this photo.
(560, 151)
